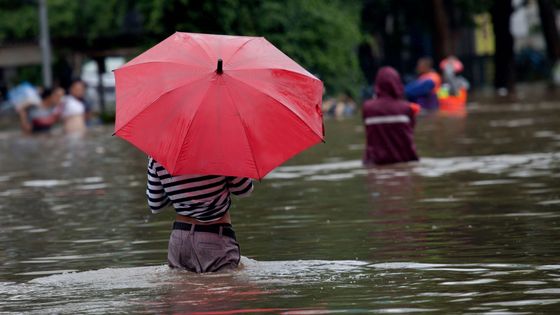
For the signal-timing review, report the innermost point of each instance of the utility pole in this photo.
(45, 43)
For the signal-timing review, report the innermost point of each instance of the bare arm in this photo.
(23, 120)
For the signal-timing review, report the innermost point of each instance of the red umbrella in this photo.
(215, 104)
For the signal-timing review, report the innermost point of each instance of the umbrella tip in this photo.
(220, 70)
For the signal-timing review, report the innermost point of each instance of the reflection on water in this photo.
(526, 165)
(317, 286)
(472, 228)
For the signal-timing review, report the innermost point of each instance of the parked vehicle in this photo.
(91, 77)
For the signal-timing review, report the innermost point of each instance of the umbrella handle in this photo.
(220, 70)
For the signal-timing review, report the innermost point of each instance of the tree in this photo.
(504, 77)
(73, 24)
(320, 35)
(547, 15)
(442, 40)
(385, 24)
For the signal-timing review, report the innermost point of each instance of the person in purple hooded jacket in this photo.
(389, 122)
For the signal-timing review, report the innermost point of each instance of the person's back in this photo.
(202, 239)
(389, 122)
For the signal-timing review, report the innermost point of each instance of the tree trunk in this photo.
(442, 47)
(504, 76)
(392, 36)
(367, 62)
(547, 14)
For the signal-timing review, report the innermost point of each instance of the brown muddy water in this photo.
(473, 228)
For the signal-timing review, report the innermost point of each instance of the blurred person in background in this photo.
(389, 122)
(423, 90)
(74, 111)
(452, 95)
(451, 68)
(343, 106)
(40, 117)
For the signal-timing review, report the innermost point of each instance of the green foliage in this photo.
(88, 19)
(320, 35)
(30, 74)
(17, 21)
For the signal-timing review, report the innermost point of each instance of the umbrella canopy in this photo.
(216, 104)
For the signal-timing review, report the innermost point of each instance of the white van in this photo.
(90, 77)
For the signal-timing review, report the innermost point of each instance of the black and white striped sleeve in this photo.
(240, 186)
(157, 198)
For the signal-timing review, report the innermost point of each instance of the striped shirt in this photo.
(203, 197)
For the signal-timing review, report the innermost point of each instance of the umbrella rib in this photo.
(201, 47)
(244, 131)
(287, 108)
(159, 97)
(309, 75)
(240, 47)
(189, 127)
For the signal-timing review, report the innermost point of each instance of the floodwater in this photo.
(472, 228)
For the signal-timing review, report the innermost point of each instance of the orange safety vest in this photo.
(415, 108)
(434, 76)
(454, 103)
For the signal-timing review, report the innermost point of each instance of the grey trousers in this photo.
(202, 251)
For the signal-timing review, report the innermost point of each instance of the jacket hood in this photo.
(388, 83)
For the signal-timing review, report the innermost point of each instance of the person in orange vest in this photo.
(423, 90)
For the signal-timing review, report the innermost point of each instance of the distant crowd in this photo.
(445, 91)
(39, 109)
